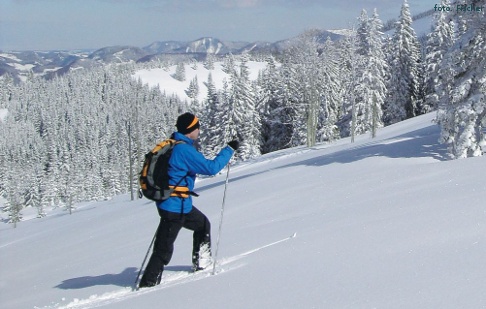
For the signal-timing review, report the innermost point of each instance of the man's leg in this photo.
(169, 226)
(201, 249)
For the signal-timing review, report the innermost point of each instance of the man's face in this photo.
(194, 134)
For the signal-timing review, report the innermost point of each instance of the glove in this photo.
(234, 144)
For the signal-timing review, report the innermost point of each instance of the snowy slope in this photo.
(380, 223)
(167, 83)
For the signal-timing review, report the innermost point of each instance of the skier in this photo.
(177, 211)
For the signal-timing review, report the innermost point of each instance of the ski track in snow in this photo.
(171, 279)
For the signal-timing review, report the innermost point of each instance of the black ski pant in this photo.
(169, 227)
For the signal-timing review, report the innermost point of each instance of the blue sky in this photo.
(78, 24)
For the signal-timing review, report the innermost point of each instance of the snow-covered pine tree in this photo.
(363, 33)
(6, 90)
(194, 64)
(193, 91)
(256, 128)
(180, 72)
(3, 160)
(209, 62)
(6, 85)
(347, 60)
(462, 106)
(31, 155)
(308, 69)
(361, 109)
(225, 112)
(330, 95)
(212, 136)
(311, 69)
(245, 115)
(371, 88)
(439, 40)
(293, 99)
(16, 168)
(405, 59)
(275, 116)
(13, 205)
(378, 72)
(48, 186)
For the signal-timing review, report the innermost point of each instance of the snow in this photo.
(3, 114)
(346, 32)
(9, 56)
(380, 223)
(421, 26)
(23, 67)
(166, 82)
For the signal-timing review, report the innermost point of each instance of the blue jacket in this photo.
(186, 161)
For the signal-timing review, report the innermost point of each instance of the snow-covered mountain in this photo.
(20, 63)
(379, 223)
(48, 63)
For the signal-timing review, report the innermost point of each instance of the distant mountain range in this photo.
(20, 64)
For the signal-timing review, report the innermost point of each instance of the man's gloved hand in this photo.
(234, 144)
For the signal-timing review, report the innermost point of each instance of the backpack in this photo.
(154, 177)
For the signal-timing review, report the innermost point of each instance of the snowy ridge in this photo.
(388, 222)
(206, 45)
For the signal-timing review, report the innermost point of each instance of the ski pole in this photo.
(221, 221)
(144, 260)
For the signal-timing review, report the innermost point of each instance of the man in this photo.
(177, 211)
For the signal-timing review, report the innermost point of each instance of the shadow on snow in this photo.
(124, 279)
(422, 143)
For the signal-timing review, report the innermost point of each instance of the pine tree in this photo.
(275, 115)
(439, 41)
(212, 137)
(293, 99)
(404, 87)
(330, 96)
(462, 103)
(209, 62)
(308, 69)
(13, 205)
(180, 73)
(246, 120)
(371, 87)
(360, 112)
(347, 60)
(3, 161)
(193, 91)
